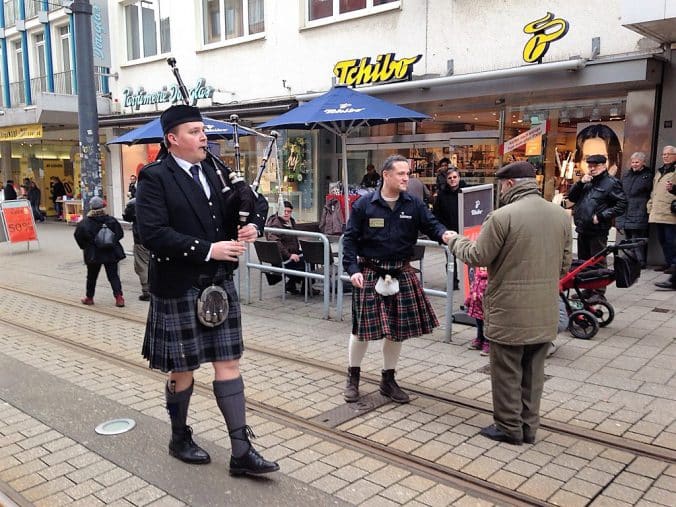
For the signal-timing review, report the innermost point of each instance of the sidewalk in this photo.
(620, 383)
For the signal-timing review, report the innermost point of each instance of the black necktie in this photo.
(195, 171)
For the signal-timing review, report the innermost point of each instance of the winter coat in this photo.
(526, 246)
(288, 244)
(602, 196)
(446, 206)
(659, 205)
(331, 221)
(10, 192)
(474, 301)
(86, 231)
(637, 186)
(129, 215)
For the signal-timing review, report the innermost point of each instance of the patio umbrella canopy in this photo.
(151, 132)
(341, 110)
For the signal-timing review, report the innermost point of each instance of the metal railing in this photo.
(324, 277)
(448, 293)
(63, 84)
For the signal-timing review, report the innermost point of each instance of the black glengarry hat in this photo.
(516, 170)
(176, 115)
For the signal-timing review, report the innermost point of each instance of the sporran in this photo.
(212, 306)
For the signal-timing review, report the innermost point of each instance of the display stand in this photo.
(72, 211)
(474, 205)
(18, 224)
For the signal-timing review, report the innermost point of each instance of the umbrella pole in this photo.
(346, 190)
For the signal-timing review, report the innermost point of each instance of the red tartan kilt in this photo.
(404, 315)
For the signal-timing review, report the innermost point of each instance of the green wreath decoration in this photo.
(294, 156)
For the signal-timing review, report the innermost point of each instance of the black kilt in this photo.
(404, 315)
(176, 341)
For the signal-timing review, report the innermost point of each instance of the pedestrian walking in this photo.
(659, 208)
(637, 184)
(141, 253)
(34, 197)
(598, 199)
(526, 246)
(191, 232)
(474, 306)
(10, 191)
(388, 302)
(99, 253)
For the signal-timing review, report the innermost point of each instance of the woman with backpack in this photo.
(99, 235)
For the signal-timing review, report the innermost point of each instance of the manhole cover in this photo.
(343, 413)
(115, 426)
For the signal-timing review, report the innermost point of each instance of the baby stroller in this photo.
(589, 311)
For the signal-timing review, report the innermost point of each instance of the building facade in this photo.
(38, 89)
(501, 80)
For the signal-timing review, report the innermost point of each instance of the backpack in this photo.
(105, 238)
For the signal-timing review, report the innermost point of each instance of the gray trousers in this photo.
(517, 380)
(141, 259)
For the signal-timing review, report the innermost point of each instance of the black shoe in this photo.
(145, 296)
(660, 268)
(390, 388)
(291, 288)
(495, 433)
(251, 463)
(183, 447)
(528, 437)
(665, 285)
(351, 393)
(670, 270)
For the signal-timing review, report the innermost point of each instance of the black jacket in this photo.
(602, 196)
(129, 215)
(86, 231)
(58, 190)
(637, 187)
(446, 206)
(178, 224)
(10, 192)
(377, 231)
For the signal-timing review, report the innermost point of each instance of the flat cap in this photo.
(516, 170)
(176, 115)
(97, 203)
(596, 159)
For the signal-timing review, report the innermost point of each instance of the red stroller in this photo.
(589, 311)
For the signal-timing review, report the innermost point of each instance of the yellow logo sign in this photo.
(545, 31)
(386, 68)
(31, 131)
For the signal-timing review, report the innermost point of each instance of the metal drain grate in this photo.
(661, 310)
(348, 411)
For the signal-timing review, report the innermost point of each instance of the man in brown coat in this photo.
(526, 246)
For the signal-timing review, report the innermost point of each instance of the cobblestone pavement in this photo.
(620, 383)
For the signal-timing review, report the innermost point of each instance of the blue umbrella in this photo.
(151, 132)
(341, 110)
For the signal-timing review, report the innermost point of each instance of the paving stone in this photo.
(417, 483)
(83, 489)
(359, 491)
(568, 499)
(46, 489)
(112, 476)
(583, 488)
(522, 468)
(379, 501)
(453, 461)
(89, 501)
(52, 472)
(312, 472)
(647, 467)
(21, 469)
(605, 501)
(369, 464)
(330, 484)
(623, 493)
(26, 482)
(440, 495)
(540, 487)
(661, 496)
(121, 489)
(507, 479)
(399, 493)
(388, 475)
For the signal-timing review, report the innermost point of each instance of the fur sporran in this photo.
(212, 306)
(387, 286)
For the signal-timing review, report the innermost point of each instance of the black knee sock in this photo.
(177, 406)
(230, 398)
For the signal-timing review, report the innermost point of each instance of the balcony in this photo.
(63, 85)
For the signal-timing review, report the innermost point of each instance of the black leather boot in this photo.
(351, 393)
(390, 388)
(183, 447)
(251, 463)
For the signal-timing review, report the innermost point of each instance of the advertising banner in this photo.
(18, 221)
(16, 132)
(523, 138)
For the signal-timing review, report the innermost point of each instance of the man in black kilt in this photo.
(191, 232)
(388, 300)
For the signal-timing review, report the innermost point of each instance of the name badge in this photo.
(405, 216)
(377, 222)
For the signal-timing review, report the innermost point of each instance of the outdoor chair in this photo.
(269, 252)
(313, 255)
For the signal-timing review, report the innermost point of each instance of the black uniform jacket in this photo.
(178, 223)
(377, 231)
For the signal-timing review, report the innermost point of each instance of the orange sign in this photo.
(19, 222)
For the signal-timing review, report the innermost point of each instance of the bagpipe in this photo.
(251, 206)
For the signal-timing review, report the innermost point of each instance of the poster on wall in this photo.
(600, 138)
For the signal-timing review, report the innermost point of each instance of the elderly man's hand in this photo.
(448, 235)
